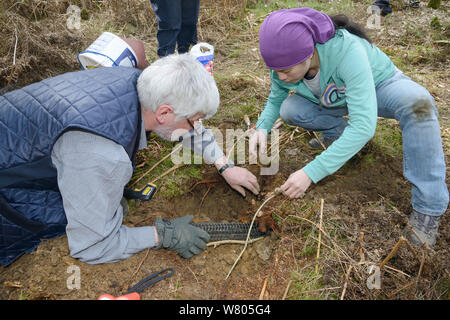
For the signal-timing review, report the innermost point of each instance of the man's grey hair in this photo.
(180, 81)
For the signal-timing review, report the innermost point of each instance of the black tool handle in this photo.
(132, 194)
(144, 195)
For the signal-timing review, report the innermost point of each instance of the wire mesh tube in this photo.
(229, 230)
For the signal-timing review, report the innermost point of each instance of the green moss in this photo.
(170, 189)
(435, 24)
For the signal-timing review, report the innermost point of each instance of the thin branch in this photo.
(14, 60)
(347, 275)
(320, 141)
(168, 171)
(393, 251)
(218, 243)
(287, 290)
(275, 193)
(156, 164)
(261, 295)
(320, 236)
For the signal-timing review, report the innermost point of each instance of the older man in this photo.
(67, 150)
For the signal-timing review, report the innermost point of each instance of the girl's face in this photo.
(295, 73)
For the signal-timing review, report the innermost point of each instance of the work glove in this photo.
(180, 236)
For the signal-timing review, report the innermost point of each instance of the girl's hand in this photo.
(296, 185)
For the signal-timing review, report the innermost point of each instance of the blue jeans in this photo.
(177, 24)
(413, 107)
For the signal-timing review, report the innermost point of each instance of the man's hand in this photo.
(296, 185)
(180, 236)
(238, 178)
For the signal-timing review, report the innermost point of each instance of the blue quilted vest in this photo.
(102, 101)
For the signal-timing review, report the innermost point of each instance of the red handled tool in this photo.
(133, 292)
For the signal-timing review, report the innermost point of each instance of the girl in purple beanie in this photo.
(334, 71)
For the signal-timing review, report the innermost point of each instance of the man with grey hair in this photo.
(69, 149)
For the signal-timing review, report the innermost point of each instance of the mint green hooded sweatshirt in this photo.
(350, 69)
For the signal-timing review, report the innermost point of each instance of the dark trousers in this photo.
(177, 24)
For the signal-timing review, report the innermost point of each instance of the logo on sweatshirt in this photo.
(332, 94)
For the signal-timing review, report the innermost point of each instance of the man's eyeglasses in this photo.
(190, 123)
(195, 125)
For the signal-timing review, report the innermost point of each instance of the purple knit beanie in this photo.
(287, 37)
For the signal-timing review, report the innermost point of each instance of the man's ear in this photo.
(164, 114)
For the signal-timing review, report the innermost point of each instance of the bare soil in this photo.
(357, 199)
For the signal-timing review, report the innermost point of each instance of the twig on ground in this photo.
(156, 164)
(320, 236)
(168, 171)
(393, 251)
(140, 165)
(293, 133)
(193, 274)
(287, 290)
(138, 268)
(202, 182)
(393, 294)
(236, 97)
(275, 193)
(313, 209)
(204, 196)
(320, 141)
(342, 251)
(218, 243)
(421, 264)
(263, 290)
(347, 276)
(14, 59)
(396, 270)
(322, 289)
(412, 249)
(318, 290)
(361, 250)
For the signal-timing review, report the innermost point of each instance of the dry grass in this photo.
(46, 47)
(352, 244)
